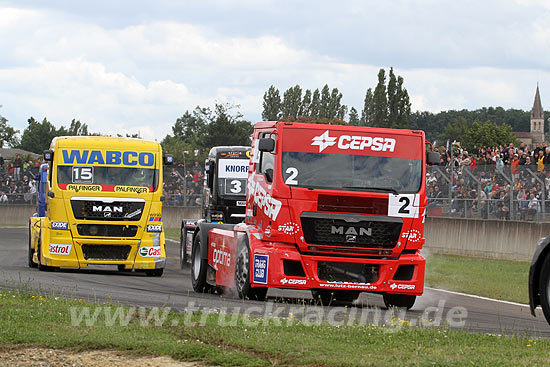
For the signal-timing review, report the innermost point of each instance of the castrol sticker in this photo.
(149, 251)
(58, 249)
(403, 205)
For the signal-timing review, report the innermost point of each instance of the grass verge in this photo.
(498, 279)
(29, 318)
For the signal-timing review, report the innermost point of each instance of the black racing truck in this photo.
(224, 194)
(539, 278)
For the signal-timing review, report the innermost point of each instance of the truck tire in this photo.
(32, 264)
(544, 287)
(399, 300)
(38, 255)
(242, 275)
(326, 296)
(183, 247)
(198, 267)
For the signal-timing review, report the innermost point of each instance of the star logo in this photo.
(323, 141)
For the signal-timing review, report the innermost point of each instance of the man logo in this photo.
(351, 231)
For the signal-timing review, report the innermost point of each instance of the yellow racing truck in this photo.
(100, 203)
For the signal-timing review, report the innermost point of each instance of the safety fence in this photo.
(488, 192)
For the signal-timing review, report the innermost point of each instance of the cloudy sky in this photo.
(126, 66)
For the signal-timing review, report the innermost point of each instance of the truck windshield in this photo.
(105, 175)
(351, 172)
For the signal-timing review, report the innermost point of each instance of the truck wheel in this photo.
(38, 255)
(242, 275)
(544, 288)
(399, 300)
(154, 273)
(198, 267)
(32, 264)
(326, 297)
(183, 247)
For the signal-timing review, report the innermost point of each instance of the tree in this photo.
(324, 103)
(380, 102)
(354, 117)
(456, 131)
(37, 136)
(403, 106)
(305, 108)
(8, 135)
(487, 134)
(315, 104)
(292, 100)
(393, 100)
(334, 104)
(77, 128)
(272, 105)
(367, 114)
(342, 112)
(226, 128)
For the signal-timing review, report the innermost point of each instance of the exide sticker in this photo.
(60, 225)
(149, 251)
(57, 249)
(154, 228)
(261, 263)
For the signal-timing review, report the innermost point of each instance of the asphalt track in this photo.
(173, 289)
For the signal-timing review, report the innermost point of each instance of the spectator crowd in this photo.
(183, 186)
(17, 180)
(504, 182)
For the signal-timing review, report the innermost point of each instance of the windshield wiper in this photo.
(384, 189)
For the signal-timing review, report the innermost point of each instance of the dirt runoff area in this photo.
(15, 356)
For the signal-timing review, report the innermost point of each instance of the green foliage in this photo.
(292, 102)
(8, 135)
(380, 102)
(204, 128)
(487, 134)
(434, 124)
(38, 135)
(354, 117)
(367, 114)
(272, 105)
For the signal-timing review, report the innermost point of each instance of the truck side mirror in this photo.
(433, 158)
(210, 174)
(168, 159)
(266, 145)
(48, 155)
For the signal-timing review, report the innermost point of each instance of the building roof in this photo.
(11, 153)
(537, 112)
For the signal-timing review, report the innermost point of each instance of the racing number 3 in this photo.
(402, 206)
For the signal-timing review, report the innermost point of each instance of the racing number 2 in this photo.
(402, 205)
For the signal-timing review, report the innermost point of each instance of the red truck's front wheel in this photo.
(242, 275)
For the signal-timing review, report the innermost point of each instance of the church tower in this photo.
(537, 119)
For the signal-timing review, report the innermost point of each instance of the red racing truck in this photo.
(335, 209)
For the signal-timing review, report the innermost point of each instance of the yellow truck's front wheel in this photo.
(32, 264)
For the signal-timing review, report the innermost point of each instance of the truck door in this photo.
(265, 208)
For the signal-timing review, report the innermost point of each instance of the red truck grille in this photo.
(350, 233)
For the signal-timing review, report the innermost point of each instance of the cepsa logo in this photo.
(109, 157)
(269, 205)
(346, 142)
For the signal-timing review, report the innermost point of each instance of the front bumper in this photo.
(268, 270)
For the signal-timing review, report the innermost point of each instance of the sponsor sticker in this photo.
(241, 203)
(413, 235)
(133, 189)
(402, 286)
(261, 263)
(149, 251)
(60, 249)
(222, 257)
(289, 228)
(154, 219)
(87, 188)
(154, 228)
(347, 142)
(233, 168)
(293, 281)
(60, 225)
